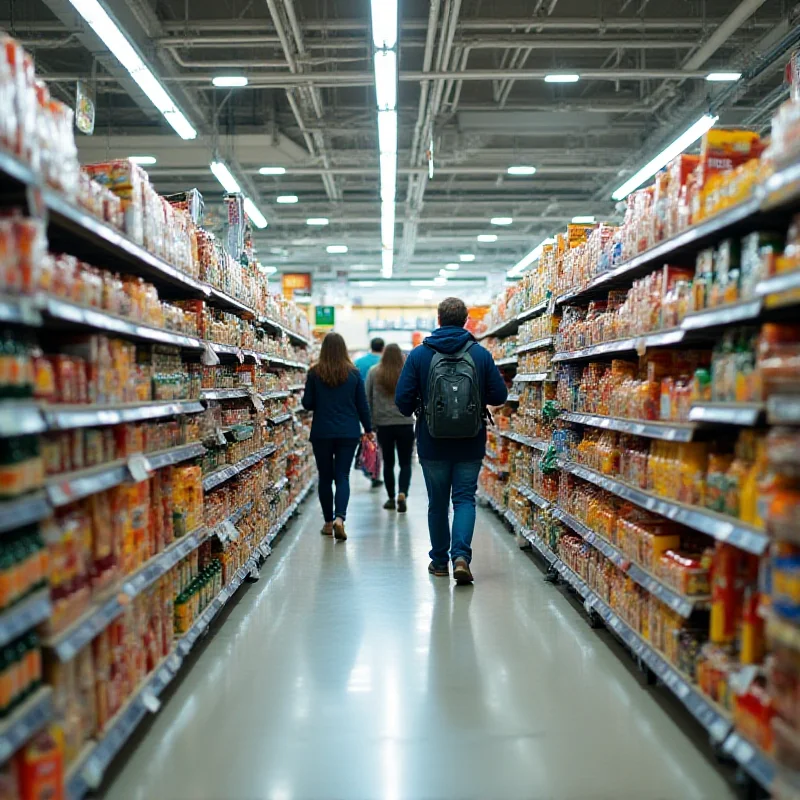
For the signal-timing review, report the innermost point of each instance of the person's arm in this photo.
(363, 406)
(496, 391)
(406, 395)
(371, 392)
(310, 394)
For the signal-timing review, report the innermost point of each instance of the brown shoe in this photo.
(439, 572)
(326, 531)
(461, 572)
(339, 531)
(401, 504)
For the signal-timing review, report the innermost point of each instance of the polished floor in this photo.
(348, 672)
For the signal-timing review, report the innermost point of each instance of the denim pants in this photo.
(443, 479)
(334, 459)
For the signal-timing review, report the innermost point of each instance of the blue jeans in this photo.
(443, 478)
(334, 459)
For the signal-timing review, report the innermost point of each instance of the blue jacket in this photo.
(340, 411)
(366, 363)
(413, 388)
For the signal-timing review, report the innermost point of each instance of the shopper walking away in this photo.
(449, 382)
(371, 359)
(395, 430)
(365, 364)
(335, 393)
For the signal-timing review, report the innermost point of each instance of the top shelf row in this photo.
(73, 230)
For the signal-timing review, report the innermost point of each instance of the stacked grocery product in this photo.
(652, 460)
(149, 448)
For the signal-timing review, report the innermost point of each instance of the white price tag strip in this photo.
(139, 467)
(151, 702)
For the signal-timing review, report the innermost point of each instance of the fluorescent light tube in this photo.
(229, 81)
(224, 176)
(487, 238)
(583, 220)
(534, 254)
(502, 221)
(387, 261)
(467, 258)
(256, 217)
(388, 163)
(337, 249)
(387, 132)
(365, 283)
(272, 171)
(522, 170)
(723, 77)
(439, 281)
(562, 77)
(144, 161)
(384, 24)
(452, 266)
(386, 80)
(443, 273)
(686, 139)
(317, 221)
(116, 41)
(286, 199)
(387, 225)
(422, 283)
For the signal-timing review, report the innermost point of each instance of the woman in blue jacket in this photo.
(335, 393)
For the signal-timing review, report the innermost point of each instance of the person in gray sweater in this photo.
(395, 431)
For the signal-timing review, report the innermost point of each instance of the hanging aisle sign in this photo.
(324, 316)
(296, 284)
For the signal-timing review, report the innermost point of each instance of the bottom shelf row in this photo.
(713, 718)
(99, 696)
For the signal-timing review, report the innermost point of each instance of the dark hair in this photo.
(387, 373)
(453, 311)
(376, 345)
(334, 365)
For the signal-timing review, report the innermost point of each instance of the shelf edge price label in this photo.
(139, 467)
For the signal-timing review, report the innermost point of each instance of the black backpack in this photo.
(454, 409)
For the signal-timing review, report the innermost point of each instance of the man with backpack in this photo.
(449, 381)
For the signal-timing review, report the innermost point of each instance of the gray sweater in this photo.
(381, 405)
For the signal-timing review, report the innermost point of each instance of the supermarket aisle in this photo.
(348, 672)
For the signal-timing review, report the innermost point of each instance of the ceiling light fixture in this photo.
(466, 258)
(229, 81)
(365, 283)
(562, 77)
(121, 48)
(487, 238)
(317, 221)
(272, 171)
(723, 77)
(439, 281)
(452, 267)
(422, 283)
(225, 177)
(583, 220)
(686, 139)
(534, 254)
(143, 161)
(522, 170)
(443, 273)
(336, 249)
(384, 24)
(502, 220)
(286, 199)
(256, 217)
(386, 80)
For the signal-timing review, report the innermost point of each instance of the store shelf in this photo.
(528, 441)
(298, 387)
(783, 409)
(71, 486)
(538, 344)
(755, 762)
(498, 470)
(512, 398)
(779, 284)
(276, 395)
(25, 722)
(65, 312)
(23, 511)
(278, 485)
(87, 772)
(279, 420)
(678, 249)
(745, 414)
(510, 361)
(85, 416)
(76, 636)
(24, 615)
(19, 310)
(668, 431)
(532, 377)
(501, 330)
(226, 473)
(533, 311)
(722, 528)
(223, 394)
(283, 362)
(679, 603)
(533, 496)
(631, 345)
(20, 418)
(229, 303)
(278, 327)
(724, 315)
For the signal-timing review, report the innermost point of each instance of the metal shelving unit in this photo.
(668, 431)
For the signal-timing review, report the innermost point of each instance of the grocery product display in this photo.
(149, 448)
(647, 450)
